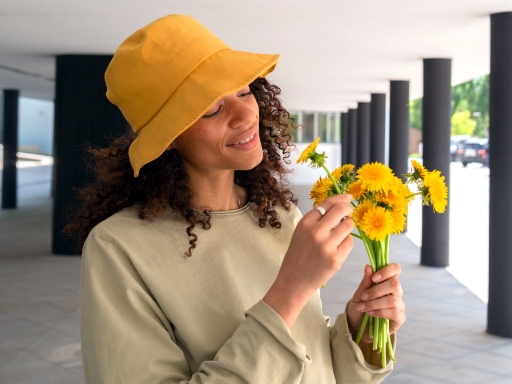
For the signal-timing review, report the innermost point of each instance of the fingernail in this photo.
(377, 277)
(365, 296)
(350, 196)
(361, 307)
(370, 312)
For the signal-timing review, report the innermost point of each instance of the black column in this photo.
(352, 136)
(437, 94)
(10, 141)
(363, 133)
(344, 138)
(378, 127)
(399, 126)
(83, 117)
(499, 315)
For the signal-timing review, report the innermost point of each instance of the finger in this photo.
(391, 270)
(329, 202)
(386, 302)
(338, 234)
(344, 249)
(334, 215)
(366, 283)
(391, 286)
(396, 316)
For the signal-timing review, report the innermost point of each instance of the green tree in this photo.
(471, 96)
(415, 109)
(462, 124)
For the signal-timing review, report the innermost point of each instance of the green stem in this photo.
(355, 235)
(383, 353)
(390, 349)
(412, 194)
(376, 328)
(336, 186)
(369, 249)
(363, 326)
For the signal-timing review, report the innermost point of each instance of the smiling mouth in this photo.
(246, 140)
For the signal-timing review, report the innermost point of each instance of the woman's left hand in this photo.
(381, 300)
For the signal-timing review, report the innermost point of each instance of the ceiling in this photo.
(334, 52)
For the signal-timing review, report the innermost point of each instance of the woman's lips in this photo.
(245, 144)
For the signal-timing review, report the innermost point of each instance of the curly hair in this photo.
(164, 183)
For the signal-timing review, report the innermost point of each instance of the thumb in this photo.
(365, 284)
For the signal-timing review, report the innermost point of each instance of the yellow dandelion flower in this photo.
(308, 151)
(360, 210)
(356, 189)
(419, 171)
(399, 219)
(400, 206)
(377, 223)
(340, 171)
(398, 194)
(375, 177)
(437, 193)
(320, 190)
(337, 173)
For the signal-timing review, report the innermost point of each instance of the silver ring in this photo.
(321, 210)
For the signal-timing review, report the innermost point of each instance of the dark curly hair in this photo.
(163, 182)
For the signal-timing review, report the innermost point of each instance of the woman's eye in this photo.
(246, 94)
(211, 115)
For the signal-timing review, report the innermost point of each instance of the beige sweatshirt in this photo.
(149, 314)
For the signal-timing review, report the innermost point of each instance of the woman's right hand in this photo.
(315, 254)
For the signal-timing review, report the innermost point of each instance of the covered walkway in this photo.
(442, 341)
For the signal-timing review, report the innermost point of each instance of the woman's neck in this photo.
(216, 191)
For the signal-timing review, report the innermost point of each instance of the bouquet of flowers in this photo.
(380, 202)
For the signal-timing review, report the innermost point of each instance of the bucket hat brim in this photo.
(224, 72)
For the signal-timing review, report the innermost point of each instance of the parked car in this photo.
(453, 149)
(455, 144)
(474, 150)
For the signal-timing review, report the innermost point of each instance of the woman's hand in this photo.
(319, 246)
(382, 300)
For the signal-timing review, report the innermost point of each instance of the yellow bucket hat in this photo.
(166, 75)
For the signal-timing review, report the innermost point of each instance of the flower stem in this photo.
(412, 195)
(363, 326)
(336, 186)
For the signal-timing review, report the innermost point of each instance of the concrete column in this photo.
(499, 315)
(363, 133)
(352, 136)
(378, 127)
(344, 138)
(10, 142)
(399, 126)
(83, 116)
(437, 94)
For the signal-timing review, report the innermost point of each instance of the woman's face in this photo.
(225, 138)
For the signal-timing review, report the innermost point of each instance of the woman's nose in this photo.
(242, 112)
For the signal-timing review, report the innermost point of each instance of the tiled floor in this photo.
(442, 341)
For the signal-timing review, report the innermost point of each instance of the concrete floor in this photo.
(442, 341)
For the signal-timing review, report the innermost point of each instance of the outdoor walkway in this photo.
(442, 341)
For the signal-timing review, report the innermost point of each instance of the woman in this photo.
(200, 268)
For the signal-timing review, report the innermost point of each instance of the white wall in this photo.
(305, 175)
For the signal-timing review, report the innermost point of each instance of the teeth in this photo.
(246, 140)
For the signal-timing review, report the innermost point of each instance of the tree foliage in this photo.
(472, 98)
(462, 124)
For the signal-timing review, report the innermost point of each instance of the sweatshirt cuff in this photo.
(275, 325)
(366, 356)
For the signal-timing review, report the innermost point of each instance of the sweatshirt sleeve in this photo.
(352, 364)
(126, 338)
